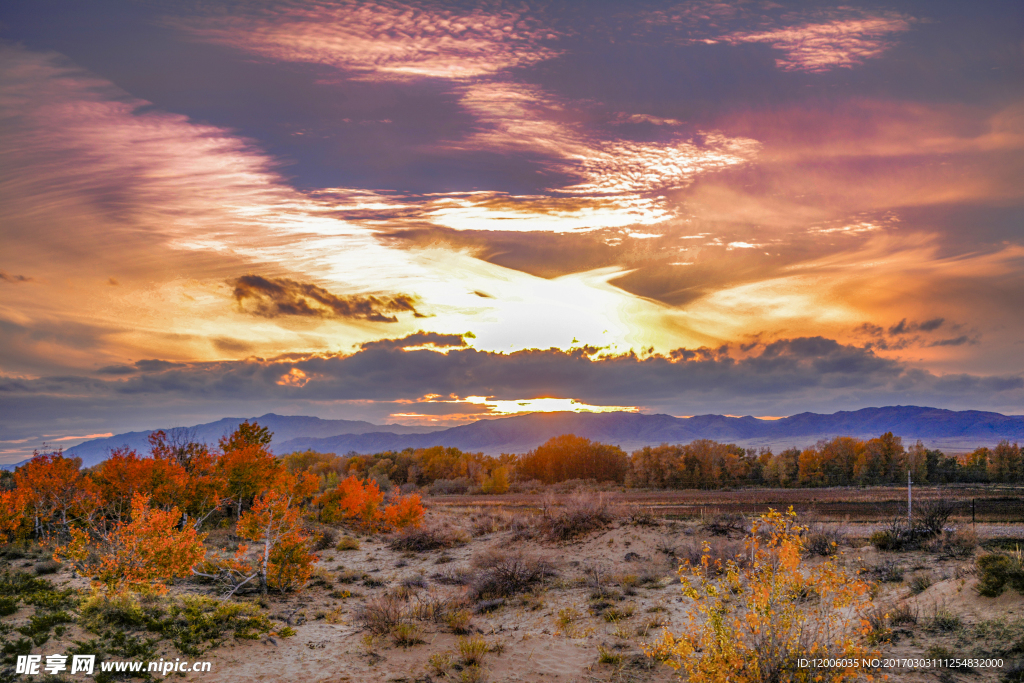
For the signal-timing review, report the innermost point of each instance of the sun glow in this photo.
(545, 405)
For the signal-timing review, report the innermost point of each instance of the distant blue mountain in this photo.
(284, 427)
(520, 433)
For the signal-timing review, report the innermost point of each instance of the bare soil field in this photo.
(496, 601)
(869, 504)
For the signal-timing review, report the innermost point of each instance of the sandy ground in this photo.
(525, 637)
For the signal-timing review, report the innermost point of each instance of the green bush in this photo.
(994, 571)
(198, 623)
(885, 540)
(8, 606)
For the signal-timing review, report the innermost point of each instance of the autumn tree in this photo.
(12, 515)
(246, 434)
(138, 553)
(283, 559)
(124, 474)
(1004, 462)
(54, 492)
(179, 445)
(247, 471)
(573, 457)
(361, 503)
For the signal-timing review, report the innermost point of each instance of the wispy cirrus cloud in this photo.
(384, 40)
(841, 39)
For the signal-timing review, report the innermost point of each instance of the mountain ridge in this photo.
(519, 433)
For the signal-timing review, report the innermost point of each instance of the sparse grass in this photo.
(440, 663)
(919, 583)
(903, 614)
(618, 612)
(472, 650)
(944, 620)
(606, 656)
(406, 635)
(459, 621)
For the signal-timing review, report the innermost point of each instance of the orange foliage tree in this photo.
(361, 503)
(572, 457)
(138, 553)
(54, 492)
(124, 474)
(12, 515)
(248, 470)
(751, 618)
(283, 560)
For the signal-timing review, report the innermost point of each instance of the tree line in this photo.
(136, 519)
(703, 463)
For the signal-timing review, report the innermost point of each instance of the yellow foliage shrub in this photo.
(753, 622)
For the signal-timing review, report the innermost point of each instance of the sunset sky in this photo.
(432, 212)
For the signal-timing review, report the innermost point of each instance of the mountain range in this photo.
(936, 427)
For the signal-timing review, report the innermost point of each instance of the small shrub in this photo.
(47, 567)
(888, 571)
(824, 541)
(440, 663)
(448, 487)
(454, 576)
(423, 539)
(406, 635)
(381, 615)
(993, 573)
(472, 674)
(8, 606)
(606, 656)
(347, 543)
(878, 626)
(506, 574)
(959, 544)
(920, 583)
(325, 538)
(582, 514)
(933, 514)
(617, 613)
(286, 632)
(642, 516)
(724, 524)
(472, 651)
(199, 623)
(902, 615)
(459, 621)
(944, 620)
(351, 576)
(112, 610)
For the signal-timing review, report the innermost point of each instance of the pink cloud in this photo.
(819, 47)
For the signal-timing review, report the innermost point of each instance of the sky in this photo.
(434, 212)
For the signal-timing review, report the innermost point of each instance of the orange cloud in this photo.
(839, 42)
